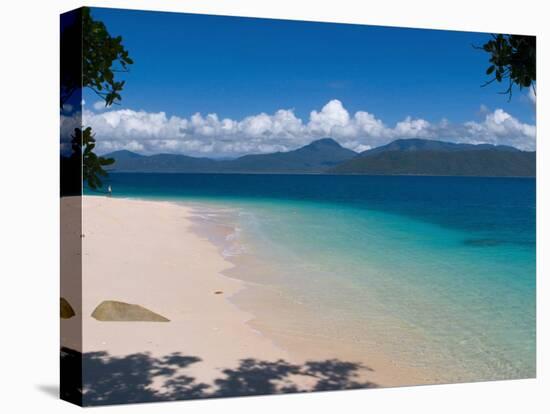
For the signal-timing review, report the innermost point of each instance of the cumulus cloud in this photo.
(499, 127)
(483, 109)
(68, 123)
(210, 135)
(99, 105)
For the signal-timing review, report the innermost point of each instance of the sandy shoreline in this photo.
(147, 253)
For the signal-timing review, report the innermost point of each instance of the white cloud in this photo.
(99, 105)
(210, 135)
(413, 128)
(332, 120)
(68, 123)
(499, 127)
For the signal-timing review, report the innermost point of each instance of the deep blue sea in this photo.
(439, 270)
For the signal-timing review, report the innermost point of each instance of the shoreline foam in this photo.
(258, 299)
(151, 253)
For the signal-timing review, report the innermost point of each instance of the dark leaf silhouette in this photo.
(102, 56)
(83, 141)
(97, 378)
(90, 58)
(513, 59)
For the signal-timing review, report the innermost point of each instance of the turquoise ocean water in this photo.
(437, 271)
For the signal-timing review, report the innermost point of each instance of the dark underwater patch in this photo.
(483, 242)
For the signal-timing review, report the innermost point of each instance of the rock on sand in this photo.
(111, 311)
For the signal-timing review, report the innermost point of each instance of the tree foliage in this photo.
(102, 57)
(513, 61)
(92, 165)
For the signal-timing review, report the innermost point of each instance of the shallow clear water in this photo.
(439, 272)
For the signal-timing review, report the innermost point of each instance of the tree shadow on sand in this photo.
(140, 378)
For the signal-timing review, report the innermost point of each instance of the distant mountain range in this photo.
(428, 157)
(316, 157)
(400, 157)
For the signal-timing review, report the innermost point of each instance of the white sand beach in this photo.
(146, 253)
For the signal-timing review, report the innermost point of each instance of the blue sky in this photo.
(240, 67)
